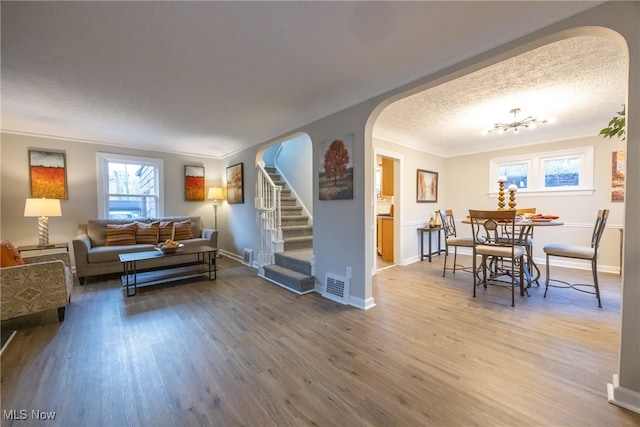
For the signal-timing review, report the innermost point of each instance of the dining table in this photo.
(525, 227)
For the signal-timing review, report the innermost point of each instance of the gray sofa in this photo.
(93, 257)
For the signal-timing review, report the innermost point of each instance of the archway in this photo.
(623, 393)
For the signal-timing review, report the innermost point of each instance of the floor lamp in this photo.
(42, 208)
(215, 194)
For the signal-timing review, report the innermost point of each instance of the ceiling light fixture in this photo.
(528, 122)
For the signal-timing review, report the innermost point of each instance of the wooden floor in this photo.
(242, 351)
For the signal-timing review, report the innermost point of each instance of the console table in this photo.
(131, 277)
(429, 231)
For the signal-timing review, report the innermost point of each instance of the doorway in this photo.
(387, 211)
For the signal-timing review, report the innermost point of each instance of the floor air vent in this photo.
(336, 288)
(247, 257)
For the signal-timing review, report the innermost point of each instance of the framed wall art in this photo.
(194, 183)
(426, 186)
(618, 172)
(235, 184)
(48, 174)
(335, 177)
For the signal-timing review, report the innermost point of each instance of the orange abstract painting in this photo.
(48, 174)
(194, 183)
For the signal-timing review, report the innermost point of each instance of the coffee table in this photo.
(132, 278)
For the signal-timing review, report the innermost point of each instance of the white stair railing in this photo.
(269, 217)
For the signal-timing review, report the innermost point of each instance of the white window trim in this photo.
(103, 185)
(536, 177)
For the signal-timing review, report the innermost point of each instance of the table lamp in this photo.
(215, 194)
(43, 209)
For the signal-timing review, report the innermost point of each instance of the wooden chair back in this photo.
(598, 229)
(491, 225)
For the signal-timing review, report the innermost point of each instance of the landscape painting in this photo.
(427, 186)
(336, 169)
(48, 174)
(235, 184)
(194, 183)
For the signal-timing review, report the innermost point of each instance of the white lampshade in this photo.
(42, 207)
(215, 193)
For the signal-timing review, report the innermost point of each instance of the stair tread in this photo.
(298, 238)
(287, 272)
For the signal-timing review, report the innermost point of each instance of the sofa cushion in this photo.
(165, 231)
(147, 232)
(183, 231)
(10, 255)
(121, 234)
(97, 230)
(110, 253)
(196, 223)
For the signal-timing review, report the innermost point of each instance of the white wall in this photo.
(238, 220)
(295, 160)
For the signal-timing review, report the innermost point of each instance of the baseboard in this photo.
(558, 262)
(623, 397)
(237, 258)
(362, 303)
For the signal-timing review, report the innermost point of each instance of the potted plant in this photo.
(616, 126)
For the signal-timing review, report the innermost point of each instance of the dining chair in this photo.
(525, 238)
(452, 240)
(522, 211)
(591, 253)
(495, 249)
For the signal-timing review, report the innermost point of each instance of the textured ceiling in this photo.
(213, 78)
(579, 82)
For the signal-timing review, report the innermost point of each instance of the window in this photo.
(561, 172)
(566, 171)
(516, 173)
(129, 187)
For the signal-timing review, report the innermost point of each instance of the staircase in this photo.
(293, 267)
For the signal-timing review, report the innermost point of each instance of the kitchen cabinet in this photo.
(387, 177)
(385, 237)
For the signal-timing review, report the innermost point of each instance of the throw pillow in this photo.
(10, 255)
(147, 232)
(165, 231)
(183, 231)
(121, 234)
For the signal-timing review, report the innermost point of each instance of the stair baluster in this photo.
(269, 217)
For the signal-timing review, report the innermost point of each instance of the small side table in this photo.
(28, 248)
(429, 230)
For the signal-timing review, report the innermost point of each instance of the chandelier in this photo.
(516, 124)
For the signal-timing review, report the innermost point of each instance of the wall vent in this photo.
(336, 288)
(247, 256)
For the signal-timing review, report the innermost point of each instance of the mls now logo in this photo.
(23, 414)
(15, 414)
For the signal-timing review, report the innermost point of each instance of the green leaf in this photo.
(616, 126)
